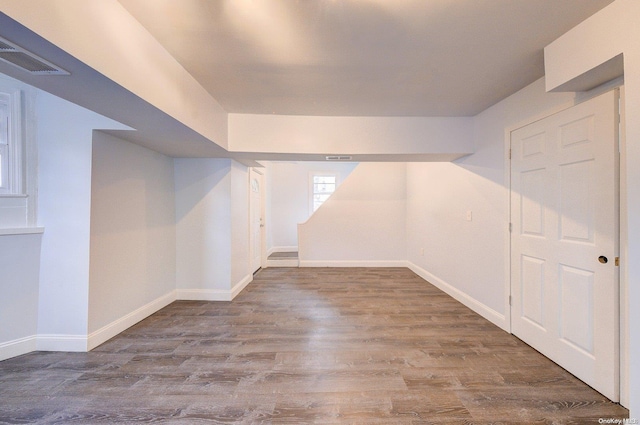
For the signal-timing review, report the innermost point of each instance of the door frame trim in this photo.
(623, 308)
(262, 192)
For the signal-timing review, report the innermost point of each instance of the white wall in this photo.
(362, 224)
(477, 182)
(240, 245)
(44, 278)
(19, 272)
(203, 224)
(20, 249)
(212, 234)
(349, 135)
(606, 34)
(86, 30)
(132, 255)
(288, 197)
(471, 256)
(64, 205)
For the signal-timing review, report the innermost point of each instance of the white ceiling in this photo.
(360, 57)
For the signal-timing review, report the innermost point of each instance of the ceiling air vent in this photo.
(338, 158)
(27, 61)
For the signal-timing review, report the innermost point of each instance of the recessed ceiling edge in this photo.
(15, 55)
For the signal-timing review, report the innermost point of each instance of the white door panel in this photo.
(564, 205)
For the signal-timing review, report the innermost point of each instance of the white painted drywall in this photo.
(132, 256)
(606, 34)
(363, 223)
(203, 224)
(19, 273)
(288, 195)
(106, 37)
(212, 228)
(612, 31)
(64, 204)
(239, 243)
(349, 135)
(471, 256)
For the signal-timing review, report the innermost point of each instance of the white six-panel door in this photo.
(564, 217)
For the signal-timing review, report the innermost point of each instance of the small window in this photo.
(10, 144)
(322, 186)
(4, 142)
(18, 154)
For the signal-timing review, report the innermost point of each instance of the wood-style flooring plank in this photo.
(297, 346)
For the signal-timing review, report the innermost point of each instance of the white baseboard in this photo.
(238, 287)
(17, 347)
(203, 294)
(475, 305)
(114, 328)
(356, 263)
(82, 343)
(59, 342)
(214, 294)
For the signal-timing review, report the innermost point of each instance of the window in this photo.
(10, 144)
(322, 186)
(18, 154)
(4, 142)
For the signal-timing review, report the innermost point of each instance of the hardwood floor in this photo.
(353, 346)
(279, 255)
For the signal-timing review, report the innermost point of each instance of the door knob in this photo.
(603, 259)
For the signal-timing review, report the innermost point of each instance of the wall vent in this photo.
(338, 158)
(27, 61)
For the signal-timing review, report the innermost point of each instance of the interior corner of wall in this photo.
(240, 285)
(590, 45)
(495, 317)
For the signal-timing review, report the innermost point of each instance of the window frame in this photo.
(12, 183)
(312, 192)
(4, 162)
(18, 200)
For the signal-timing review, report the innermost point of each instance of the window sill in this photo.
(21, 231)
(13, 195)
